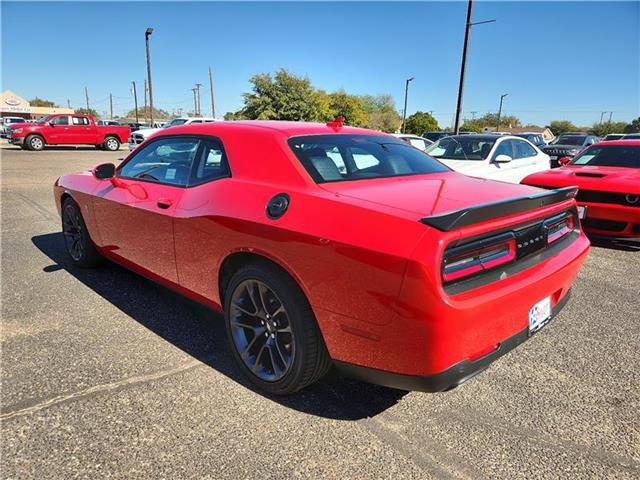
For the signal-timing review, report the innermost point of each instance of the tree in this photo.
(381, 112)
(420, 122)
(87, 111)
(41, 102)
(143, 112)
(605, 128)
(349, 106)
(561, 126)
(633, 127)
(283, 97)
(490, 122)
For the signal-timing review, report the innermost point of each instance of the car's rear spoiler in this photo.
(502, 208)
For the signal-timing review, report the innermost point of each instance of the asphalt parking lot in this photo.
(105, 374)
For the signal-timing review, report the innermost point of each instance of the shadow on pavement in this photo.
(200, 332)
(624, 244)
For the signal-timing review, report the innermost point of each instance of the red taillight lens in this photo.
(558, 228)
(475, 257)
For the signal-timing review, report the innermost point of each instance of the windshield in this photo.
(610, 156)
(333, 158)
(570, 140)
(462, 148)
(174, 122)
(43, 119)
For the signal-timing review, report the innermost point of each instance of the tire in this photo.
(34, 142)
(280, 352)
(111, 144)
(78, 243)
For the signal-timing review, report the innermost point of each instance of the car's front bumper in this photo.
(15, 140)
(452, 376)
(611, 219)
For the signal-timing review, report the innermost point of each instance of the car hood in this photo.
(562, 147)
(587, 177)
(147, 132)
(426, 195)
(469, 167)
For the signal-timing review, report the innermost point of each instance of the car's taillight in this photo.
(558, 227)
(478, 256)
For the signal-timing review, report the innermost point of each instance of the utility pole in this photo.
(198, 85)
(213, 102)
(500, 111)
(147, 34)
(110, 107)
(68, 103)
(406, 95)
(463, 65)
(195, 102)
(473, 115)
(86, 95)
(610, 115)
(146, 90)
(602, 115)
(135, 100)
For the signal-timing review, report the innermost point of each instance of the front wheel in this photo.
(112, 144)
(34, 142)
(272, 331)
(77, 241)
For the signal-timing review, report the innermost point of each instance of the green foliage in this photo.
(143, 112)
(471, 126)
(633, 127)
(561, 126)
(605, 128)
(490, 120)
(420, 122)
(87, 111)
(284, 96)
(41, 102)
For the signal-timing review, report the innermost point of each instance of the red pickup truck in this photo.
(66, 129)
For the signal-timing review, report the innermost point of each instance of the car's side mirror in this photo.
(51, 124)
(104, 171)
(502, 158)
(564, 160)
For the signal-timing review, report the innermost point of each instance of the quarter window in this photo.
(211, 162)
(167, 161)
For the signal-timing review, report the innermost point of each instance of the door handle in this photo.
(164, 203)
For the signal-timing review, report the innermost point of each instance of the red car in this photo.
(608, 174)
(325, 244)
(64, 129)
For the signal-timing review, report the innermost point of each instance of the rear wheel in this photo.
(77, 241)
(34, 142)
(272, 331)
(111, 143)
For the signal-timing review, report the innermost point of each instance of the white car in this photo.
(420, 143)
(7, 121)
(141, 135)
(497, 157)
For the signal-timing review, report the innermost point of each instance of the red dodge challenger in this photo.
(325, 245)
(608, 174)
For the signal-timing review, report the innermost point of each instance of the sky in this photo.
(556, 60)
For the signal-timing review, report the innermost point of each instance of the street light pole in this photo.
(195, 102)
(463, 66)
(500, 111)
(147, 34)
(406, 95)
(198, 85)
(213, 102)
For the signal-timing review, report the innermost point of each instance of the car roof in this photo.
(632, 142)
(482, 136)
(287, 128)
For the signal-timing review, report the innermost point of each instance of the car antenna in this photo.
(337, 123)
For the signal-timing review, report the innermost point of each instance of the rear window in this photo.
(334, 158)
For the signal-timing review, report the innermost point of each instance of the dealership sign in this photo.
(12, 103)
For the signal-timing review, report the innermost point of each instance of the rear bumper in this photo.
(612, 220)
(449, 378)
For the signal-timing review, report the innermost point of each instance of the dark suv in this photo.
(536, 138)
(568, 145)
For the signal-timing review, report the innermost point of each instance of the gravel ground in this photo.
(105, 374)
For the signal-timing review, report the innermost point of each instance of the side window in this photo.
(81, 121)
(418, 143)
(505, 148)
(211, 163)
(61, 120)
(523, 149)
(196, 121)
(167, 161)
